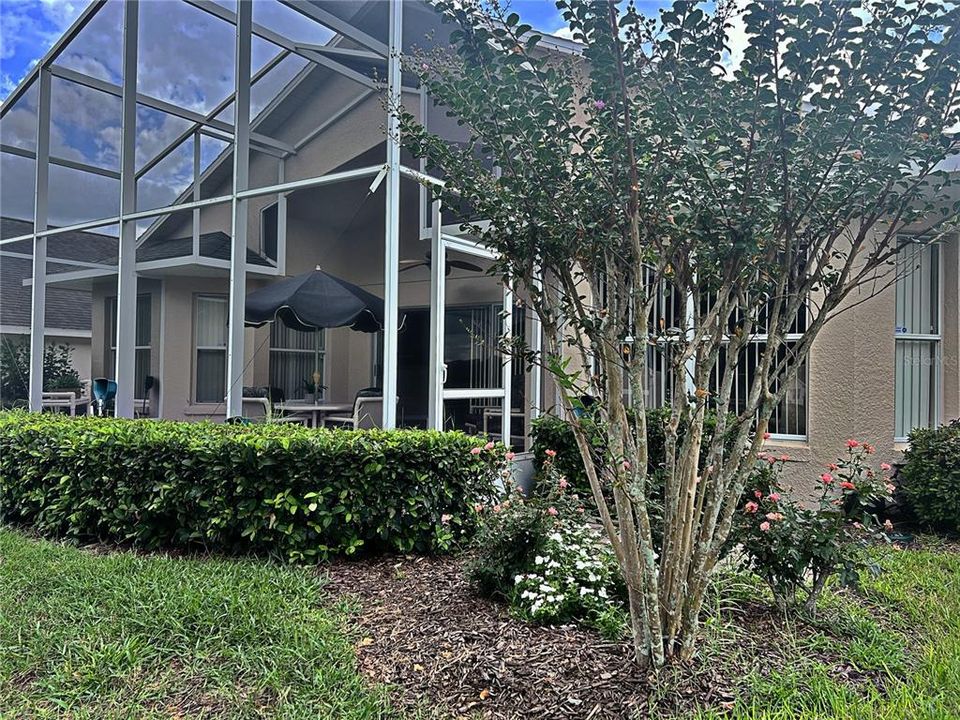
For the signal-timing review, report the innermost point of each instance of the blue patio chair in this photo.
(104, 394)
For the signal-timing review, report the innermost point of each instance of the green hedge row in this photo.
(555, 433)
(930, 476)
(279, 489)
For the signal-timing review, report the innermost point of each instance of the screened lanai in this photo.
(204, 136)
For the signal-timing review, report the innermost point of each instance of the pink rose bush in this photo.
(795, 548)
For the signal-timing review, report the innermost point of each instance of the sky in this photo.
(181, 60)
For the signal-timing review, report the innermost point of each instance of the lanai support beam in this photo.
(438, 265)
(241, 179)
(38, 293)
(391, 257)
(127, 256)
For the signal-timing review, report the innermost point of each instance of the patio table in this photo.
(316, 410)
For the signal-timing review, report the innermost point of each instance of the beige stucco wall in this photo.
(851, 379)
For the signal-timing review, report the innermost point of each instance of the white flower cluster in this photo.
(573, 576)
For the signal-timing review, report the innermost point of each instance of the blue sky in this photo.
(180, 61)
(29, 27)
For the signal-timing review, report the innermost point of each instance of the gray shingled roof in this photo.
(66, 309)
(214, 245)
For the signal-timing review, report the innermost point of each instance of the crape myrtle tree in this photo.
(768, 193)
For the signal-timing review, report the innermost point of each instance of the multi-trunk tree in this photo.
(661, 201)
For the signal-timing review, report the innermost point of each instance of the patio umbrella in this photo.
(313, 301)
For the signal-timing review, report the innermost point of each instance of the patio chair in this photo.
(260, 410)
(367, 411)
(104, 394)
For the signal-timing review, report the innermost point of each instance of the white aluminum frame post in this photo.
(438, 266)
(391, 255)
(127, 256)
(38, 294)
(241, 180)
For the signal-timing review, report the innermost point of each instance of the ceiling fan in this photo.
(426, 262)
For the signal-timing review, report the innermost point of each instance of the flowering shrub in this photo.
(797, 549)
(540, 554)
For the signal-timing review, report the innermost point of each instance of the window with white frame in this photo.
(789, 419)
(917, 339)
(269, 231)
(210, 343)
(142, 348)
(294, 357)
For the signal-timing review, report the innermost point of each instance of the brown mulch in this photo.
(423, 631)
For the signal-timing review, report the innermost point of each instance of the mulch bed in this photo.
(423, 631)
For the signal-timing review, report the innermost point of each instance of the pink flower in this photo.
(580, 510)
(774, 516)
(551, 453)
(562, 483)
(497, 508)
(847, 485)
(869, 448)
(771, 459)
(766, 436)
(885, 467)
(476, 451)
(626, 464)
(851, 443)
(552, 511)
(784, 458)
(827, 478)
(832, 467)
(757, 494)
(765, 526)
(775, 497)
(887, 525)
(489, 446)
(599, 104)
(445, 519)
(891, 487)
(751, 507)
(858, 525)
(510, 455)
(478, 508)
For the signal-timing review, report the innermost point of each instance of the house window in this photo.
(917, 339)
(294, 357)
(269, 231)
(142, 335)
(210, 339)
(789, 419)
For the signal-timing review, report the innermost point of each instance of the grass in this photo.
(889, 652)
(122, 635)
(125, 635)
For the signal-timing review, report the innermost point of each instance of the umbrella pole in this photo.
(316, 364)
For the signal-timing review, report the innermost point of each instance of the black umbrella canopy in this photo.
(313, 301)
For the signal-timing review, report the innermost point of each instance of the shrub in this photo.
(539, 553)
(279, 489)
(58, 372)
(796, 549)
(549, 432)
(930, 476)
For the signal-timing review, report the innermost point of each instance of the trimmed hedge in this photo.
(278, 489)
(554, 433)
(930, 476)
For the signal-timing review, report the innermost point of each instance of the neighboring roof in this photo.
(65, 309)
(75, 245)
(214, 245)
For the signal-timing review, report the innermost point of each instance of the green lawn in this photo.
(121, 635)
(908, 641)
